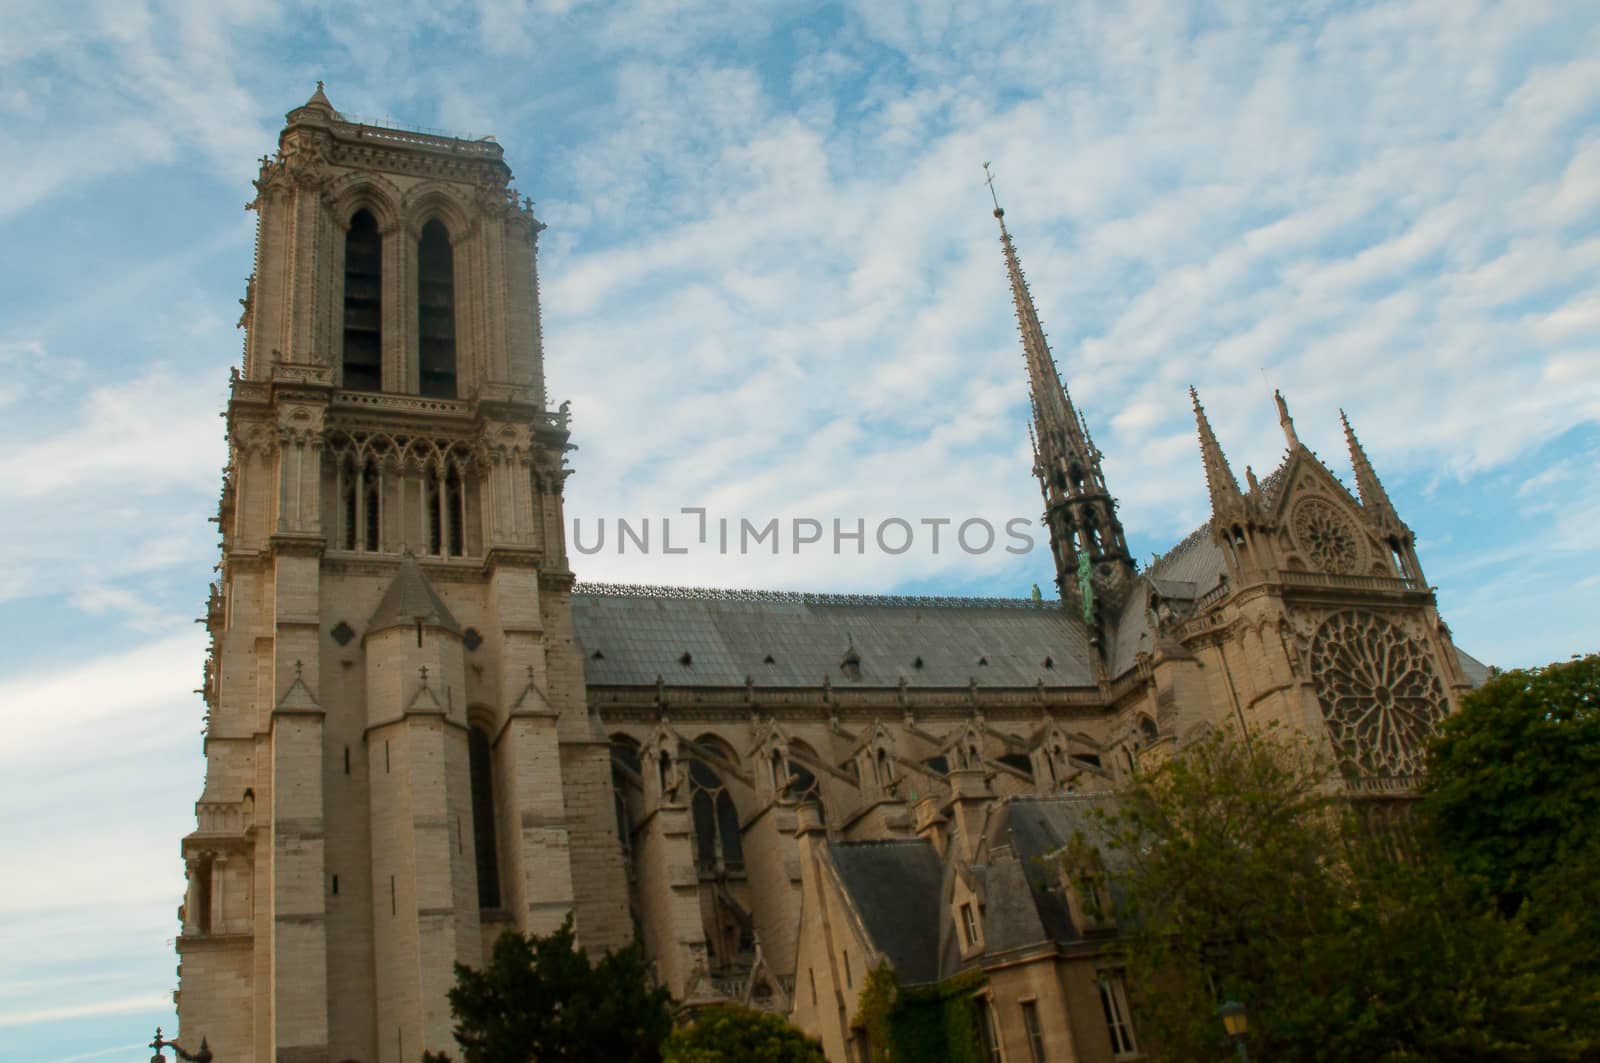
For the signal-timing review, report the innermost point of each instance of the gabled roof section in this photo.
(1476, 672)
(897, 888)
(411, 600)
(1026, 834)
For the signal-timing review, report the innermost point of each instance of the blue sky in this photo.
(772, 287)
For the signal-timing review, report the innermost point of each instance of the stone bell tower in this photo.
(397, 723)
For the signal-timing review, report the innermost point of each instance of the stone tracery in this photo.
(1379, 691)
(1329, 536)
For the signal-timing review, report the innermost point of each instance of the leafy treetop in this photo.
(541, 999)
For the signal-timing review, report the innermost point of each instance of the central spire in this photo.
(1093, 566)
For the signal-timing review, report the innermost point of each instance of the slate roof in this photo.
(1476, 672)
(1188, 570)
(1020, 835)
(632, 635)
(897, 887)
(411, 598)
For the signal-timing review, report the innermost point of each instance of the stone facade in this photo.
(422, 733)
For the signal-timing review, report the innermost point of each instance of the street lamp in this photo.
(160, 1043)
(1237, 1024)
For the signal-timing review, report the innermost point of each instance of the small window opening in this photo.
(202, 894)
(336, 885)
(479, 760)
(434, 505)
(455, 512)
(1114, 1001)
(991, 1031)
(1399, 559)
(347, 760)
(1031, 1027)
(348, 510)
(373, 509)
(969, 925)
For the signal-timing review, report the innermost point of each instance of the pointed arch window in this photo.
(480, 764)
(718, 845)
(803, 785)
(436, 313)
(625, 775)
(444, 501)
(360, 505)
(363, 304)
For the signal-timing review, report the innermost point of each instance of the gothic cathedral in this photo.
(422, 733)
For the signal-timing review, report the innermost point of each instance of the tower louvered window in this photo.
(363, 304)
(436, 313)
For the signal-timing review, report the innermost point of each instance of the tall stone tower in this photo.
(399, 760)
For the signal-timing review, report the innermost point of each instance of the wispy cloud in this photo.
(772, 287)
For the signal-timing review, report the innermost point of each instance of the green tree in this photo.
(1513, 786)
(540, 999)
(1243, 873)
(731, 1034)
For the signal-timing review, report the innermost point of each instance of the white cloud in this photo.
(116, 1006)
(772, 287)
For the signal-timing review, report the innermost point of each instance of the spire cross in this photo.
(988, 179)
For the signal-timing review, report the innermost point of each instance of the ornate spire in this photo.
(1374, 499)
(1220, 481)
(1052, 407)
(1093, 566)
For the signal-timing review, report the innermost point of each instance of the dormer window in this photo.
(1083, 880)
(969, 926)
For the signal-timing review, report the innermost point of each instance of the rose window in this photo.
(1328, 536)
(1379, 692)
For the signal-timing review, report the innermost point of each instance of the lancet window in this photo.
(363, 304)
(361, 505)
(480, 760)
(718, 845)
(436, 313)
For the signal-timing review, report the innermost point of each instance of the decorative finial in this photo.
(423, 671)
(530, 676)
(1285, 420)
(319, 86)
(297, 667)
(988, 179)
